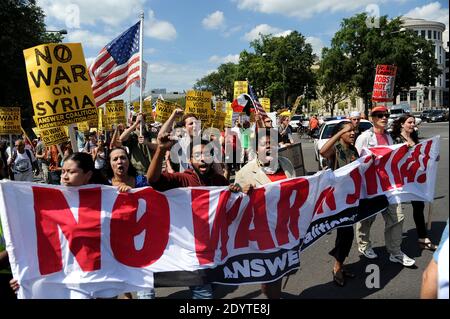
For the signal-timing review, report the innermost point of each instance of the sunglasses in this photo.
(381, 115)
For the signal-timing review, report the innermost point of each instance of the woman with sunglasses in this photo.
(403, 131)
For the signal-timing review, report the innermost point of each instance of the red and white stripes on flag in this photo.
(117, 66)
(259, 109)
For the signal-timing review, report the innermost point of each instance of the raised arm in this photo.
(155, 168)
(126, 134)
(327, 149)
(167, 126)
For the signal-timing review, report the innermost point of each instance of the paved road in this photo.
(314, 279)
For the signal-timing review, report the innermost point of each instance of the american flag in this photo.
(259, 109)
(116, 66)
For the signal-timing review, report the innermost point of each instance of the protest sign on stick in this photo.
(383, 86)
(10, 120)
(59, 84)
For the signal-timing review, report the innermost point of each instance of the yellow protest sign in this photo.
(265, 102)
(199, 103)
(229, 117)
(83, 126)
(164, 109)
(53, 136)
(10, 120)
(102, 121)
(115, 112)
(219, 120)
(240, 87)
(221, 105)
(59, 84)
(36, 131)
(147, 109)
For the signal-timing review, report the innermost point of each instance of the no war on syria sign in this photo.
(59, 84)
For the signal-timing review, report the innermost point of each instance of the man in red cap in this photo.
(393, 216)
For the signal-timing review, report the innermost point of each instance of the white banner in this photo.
(66, 242)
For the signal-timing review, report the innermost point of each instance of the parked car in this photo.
(396, 111)
(325, 134)
(425, 115)
(296, 122)
(438, 116)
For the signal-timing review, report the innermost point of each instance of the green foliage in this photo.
(22, 26)
(220, 82)
(364, 48)
(279, 68)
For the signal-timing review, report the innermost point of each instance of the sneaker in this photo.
(369, 253)
(402, 259)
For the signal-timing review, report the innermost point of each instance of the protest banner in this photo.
(10, 122)
(240, 87)
(54, 135)
(265, 102)
(164, 109)
(115, 112)
(59, 84)
(84, 238)
(199, 103)
(383, 86)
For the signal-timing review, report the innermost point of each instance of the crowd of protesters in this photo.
(178, 154)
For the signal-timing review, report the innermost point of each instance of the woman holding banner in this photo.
(77, 170)
(403, 131)
(339, 151)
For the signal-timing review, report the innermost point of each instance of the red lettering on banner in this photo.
(206, 241)
(355, 175)
(377, 169)
(256, 211)
(288, 213)
(409, 169)
(125, 226)
(84, 236)
(326, 196)
(423, 178)
(398, 156)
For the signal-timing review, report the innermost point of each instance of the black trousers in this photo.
(419, 218)
(343, 244)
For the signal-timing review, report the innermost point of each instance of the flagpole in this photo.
(141, 58)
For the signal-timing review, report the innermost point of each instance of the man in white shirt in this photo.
(22, 162)
(393, 216)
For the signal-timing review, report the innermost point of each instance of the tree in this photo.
(332, 87)
(220, 82)
(364, 47)
(280, 67)
(22, 25)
